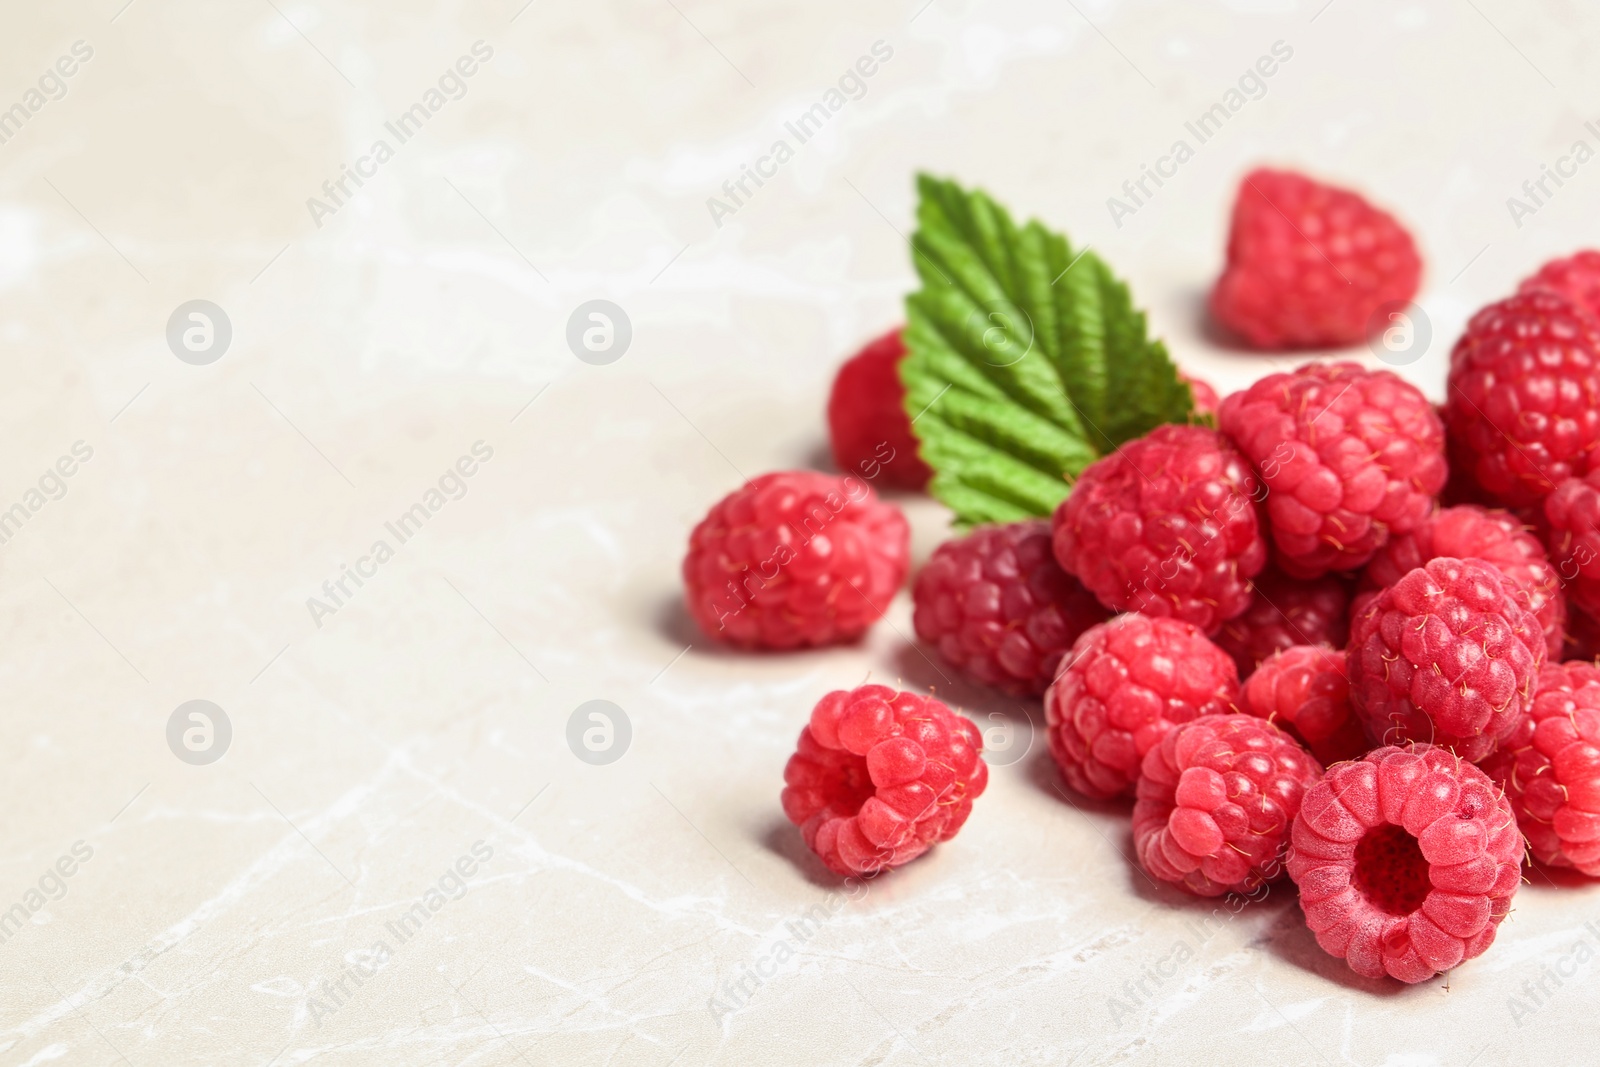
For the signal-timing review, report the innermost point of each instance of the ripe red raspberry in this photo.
(1446, 655)
(1550, 768)
(1577, 277)
(999, 607)
(1306, 691)
(1309, 263)
(1285, 612)
(1471, 532)
(1216, 800)
(867, 419)
(1406, 860)
(1166, 525)
(1523, 404)
(1572, 518)
(1205, 397)
(1127, 681)
(1349, 456)
(795, 558)
(880, 777)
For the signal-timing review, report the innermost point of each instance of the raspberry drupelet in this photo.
(1467, 531)
(1523, 403)
(1309, 263)
(1285, 612)
(1550, 768)
(1576, 277)
(795, 558)
(1125, 684)
(1349, 456)
(1446, 655)
(1000, 609)
(867, 421)
(1407, 860)
(880, 777)
(1306, 691)
(1215, 802)
(1167, 525)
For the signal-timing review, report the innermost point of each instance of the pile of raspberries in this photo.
(1329, 630)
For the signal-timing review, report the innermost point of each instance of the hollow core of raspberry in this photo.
(1390, 870)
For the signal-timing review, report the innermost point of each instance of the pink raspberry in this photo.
(1577, 277)
(999, 608)
(1572, 521)
(1285, 612)
(1126, 683)
(1167, 526)
(795, 558)
(1471, 532)
(1216, 800)
(1306, 691)
(1407, 860)
(1550, 768)
(1205, 396)
(1448, 655)
(1349, 457)
(1309, 263)
(880, 777)
(1523, 408)
(867, 420)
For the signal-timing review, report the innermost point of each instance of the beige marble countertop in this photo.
(399, 859)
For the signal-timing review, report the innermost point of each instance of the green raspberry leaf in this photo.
(1025, 362)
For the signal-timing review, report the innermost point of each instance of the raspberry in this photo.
(1447, 655)
(1308, 263)
(880, 777)
(1406, 860)
(999, 607)
(795, 558)
(1576, 277)
(1550, 768)
(1127, 681)
(1306, 691)
(1284, 612)
(1216, 800)
(1165, 525)
(1205, 397)
(1471, 532)
(867, 419)
(1572, 517)
(1349, 456)
(1523, 405)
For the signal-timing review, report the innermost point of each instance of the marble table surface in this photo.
(373, 843)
